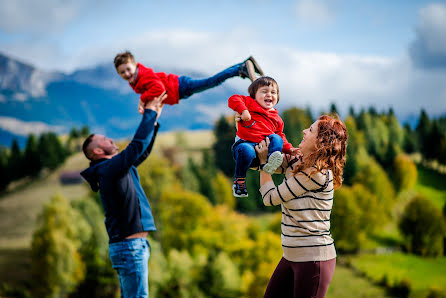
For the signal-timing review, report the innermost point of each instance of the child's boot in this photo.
(239, 188)
(256, 65)
(274, 162)
(247, 70)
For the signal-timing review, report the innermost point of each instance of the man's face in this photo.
(105, 144)
(127, 71)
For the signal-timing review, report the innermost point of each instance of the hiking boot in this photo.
(247, 70)
(256, 65)
(274, 162)
(239, 188)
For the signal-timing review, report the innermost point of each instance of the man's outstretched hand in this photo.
(156, 104)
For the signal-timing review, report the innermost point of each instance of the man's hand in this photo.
(246, 116)
(156, 104)
(141, 107)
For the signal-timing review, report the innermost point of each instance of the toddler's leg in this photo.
(274, 154)
(243, 153)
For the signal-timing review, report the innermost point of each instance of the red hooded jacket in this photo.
(151, 84)
(262, 124)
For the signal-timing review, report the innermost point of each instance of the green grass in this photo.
(422, 273)
(346, 284)
(432, 185)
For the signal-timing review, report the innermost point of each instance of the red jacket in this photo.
(151, 84)
(262, 124)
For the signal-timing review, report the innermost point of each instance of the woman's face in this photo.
(308, 143)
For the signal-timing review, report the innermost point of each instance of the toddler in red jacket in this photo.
(150, 84)
(258, 120)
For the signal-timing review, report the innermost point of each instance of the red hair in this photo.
(331, 149)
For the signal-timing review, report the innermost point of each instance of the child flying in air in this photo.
(150, 84)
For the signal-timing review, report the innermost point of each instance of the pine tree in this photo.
(32, 157)
(224, 139)
(15, 161)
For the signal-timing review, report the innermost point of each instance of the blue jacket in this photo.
(127, 210)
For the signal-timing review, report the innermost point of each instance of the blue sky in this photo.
(386, 53)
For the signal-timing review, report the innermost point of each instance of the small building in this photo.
(71, 177)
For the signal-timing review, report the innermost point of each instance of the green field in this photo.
(422, 273)
(432, 185)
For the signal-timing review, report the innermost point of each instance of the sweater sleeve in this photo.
(287, 146)
(237, 103)
(290, 188)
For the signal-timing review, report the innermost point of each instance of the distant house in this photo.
(71, 177)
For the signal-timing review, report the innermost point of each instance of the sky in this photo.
(352, 53)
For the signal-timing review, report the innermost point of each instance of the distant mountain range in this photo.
(32, 100)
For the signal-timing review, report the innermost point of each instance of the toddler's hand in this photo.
(296, 152)
(246, 116)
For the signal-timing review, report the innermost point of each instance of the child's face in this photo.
(127, 71)
(266, 96)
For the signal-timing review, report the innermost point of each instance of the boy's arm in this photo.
(237, 103)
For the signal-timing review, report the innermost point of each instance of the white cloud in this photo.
(429, 48)
(314, 12)
(37, 16)
(24, 128)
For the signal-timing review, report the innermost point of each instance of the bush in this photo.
(423, 228)
(405, 172)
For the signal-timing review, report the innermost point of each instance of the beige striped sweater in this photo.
(306, 208)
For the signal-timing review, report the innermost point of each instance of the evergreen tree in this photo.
(4, 173)
(15, 162)
(224, 139)
(333, 109)
(410, 144)
(32, 157)
(423, 130)
(84, 131)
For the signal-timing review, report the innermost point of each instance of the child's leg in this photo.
(275, 144)
(243, 153)
(274, 154)
(189, 86)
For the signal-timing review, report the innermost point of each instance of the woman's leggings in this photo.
(300, 279)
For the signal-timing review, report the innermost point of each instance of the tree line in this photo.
(46, 151)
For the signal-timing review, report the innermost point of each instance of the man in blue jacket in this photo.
(128, 216)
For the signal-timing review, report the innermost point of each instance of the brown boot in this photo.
(248, 71)
(256, 66)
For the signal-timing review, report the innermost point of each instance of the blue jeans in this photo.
(130, 259)
(188, 86)
(244, 154)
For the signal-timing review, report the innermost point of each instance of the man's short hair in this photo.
(85, 145)
(259, 83)
(122, 58)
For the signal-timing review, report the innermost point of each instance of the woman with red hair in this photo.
(306, 198)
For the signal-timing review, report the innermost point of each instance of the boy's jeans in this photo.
(130, 259)
(244, 154)
(188, 86)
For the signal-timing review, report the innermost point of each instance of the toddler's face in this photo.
(266, 96)
(127, 71)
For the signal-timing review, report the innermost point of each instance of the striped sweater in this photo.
(306, 207)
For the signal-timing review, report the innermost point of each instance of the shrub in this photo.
(405, 172)
(423, 227)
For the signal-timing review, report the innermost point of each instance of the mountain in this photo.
(97, 97)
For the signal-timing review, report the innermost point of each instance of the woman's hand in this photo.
(262, 151)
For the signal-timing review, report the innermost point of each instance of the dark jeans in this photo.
(188, 86)
(300, 279)
(130, 259)
(245, 157)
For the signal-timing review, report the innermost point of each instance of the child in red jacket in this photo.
(151, 84)
(259, 120)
